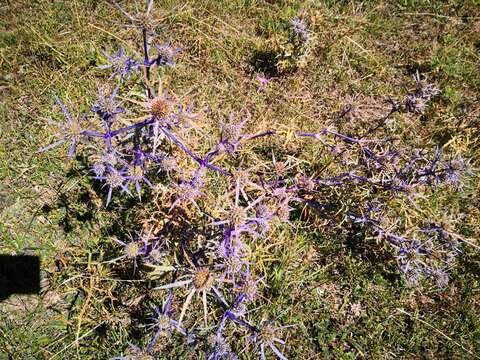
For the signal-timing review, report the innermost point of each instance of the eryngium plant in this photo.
(198, 255)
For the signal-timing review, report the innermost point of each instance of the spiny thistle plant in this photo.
(219, 197)
(296, 50)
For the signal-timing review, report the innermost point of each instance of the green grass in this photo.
(341, 288)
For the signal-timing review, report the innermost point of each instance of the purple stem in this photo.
(134, 126)
(146, 63)
(92, 133)
(306, 134)
(108, 136)
(180, 144)
(192, 155)
(265, 133)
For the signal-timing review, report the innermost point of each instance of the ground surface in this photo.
(342, 291)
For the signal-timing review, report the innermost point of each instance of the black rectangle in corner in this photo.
(19, 274)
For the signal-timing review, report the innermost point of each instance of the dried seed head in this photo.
(203, 279)
(237, 215)
(160, 107)
(163, 322)
(267, 334)
(156, 255)
(73, 129)
(280, 168)
(306, 183)
(132, 250)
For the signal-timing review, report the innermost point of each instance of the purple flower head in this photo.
(239, 221)
(133, 250)
(189, 192)
(410, 254)
(417, 102)
(233, 264)
(248, 287)
(441, 278)
(378, 160)
(423, 259)
(300, 36)
(230, 257)
(306, 183)
(220, 348)
(162, 322)
(239, 217)
(166, 54)
(142, 20)
(298, 26)
(244, 182)
(231, 134)
(425, 89)
(374, 207)
(114, 179)
(121, 64)
(445, 246)
(135, 353)
(412, 276)
(99, 168)
(397, 184)
(110, 158)
(262, 82)
(283, 210)
(155, 254)
(106, 106)
(135, 172)
(262, 219)
(239, 307)
(433, 170)
(70, 131)
(266, 335)
(455, 171)
(230, 252)
(363, 219)
(184, 116)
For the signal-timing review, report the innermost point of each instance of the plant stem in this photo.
(146, 63)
